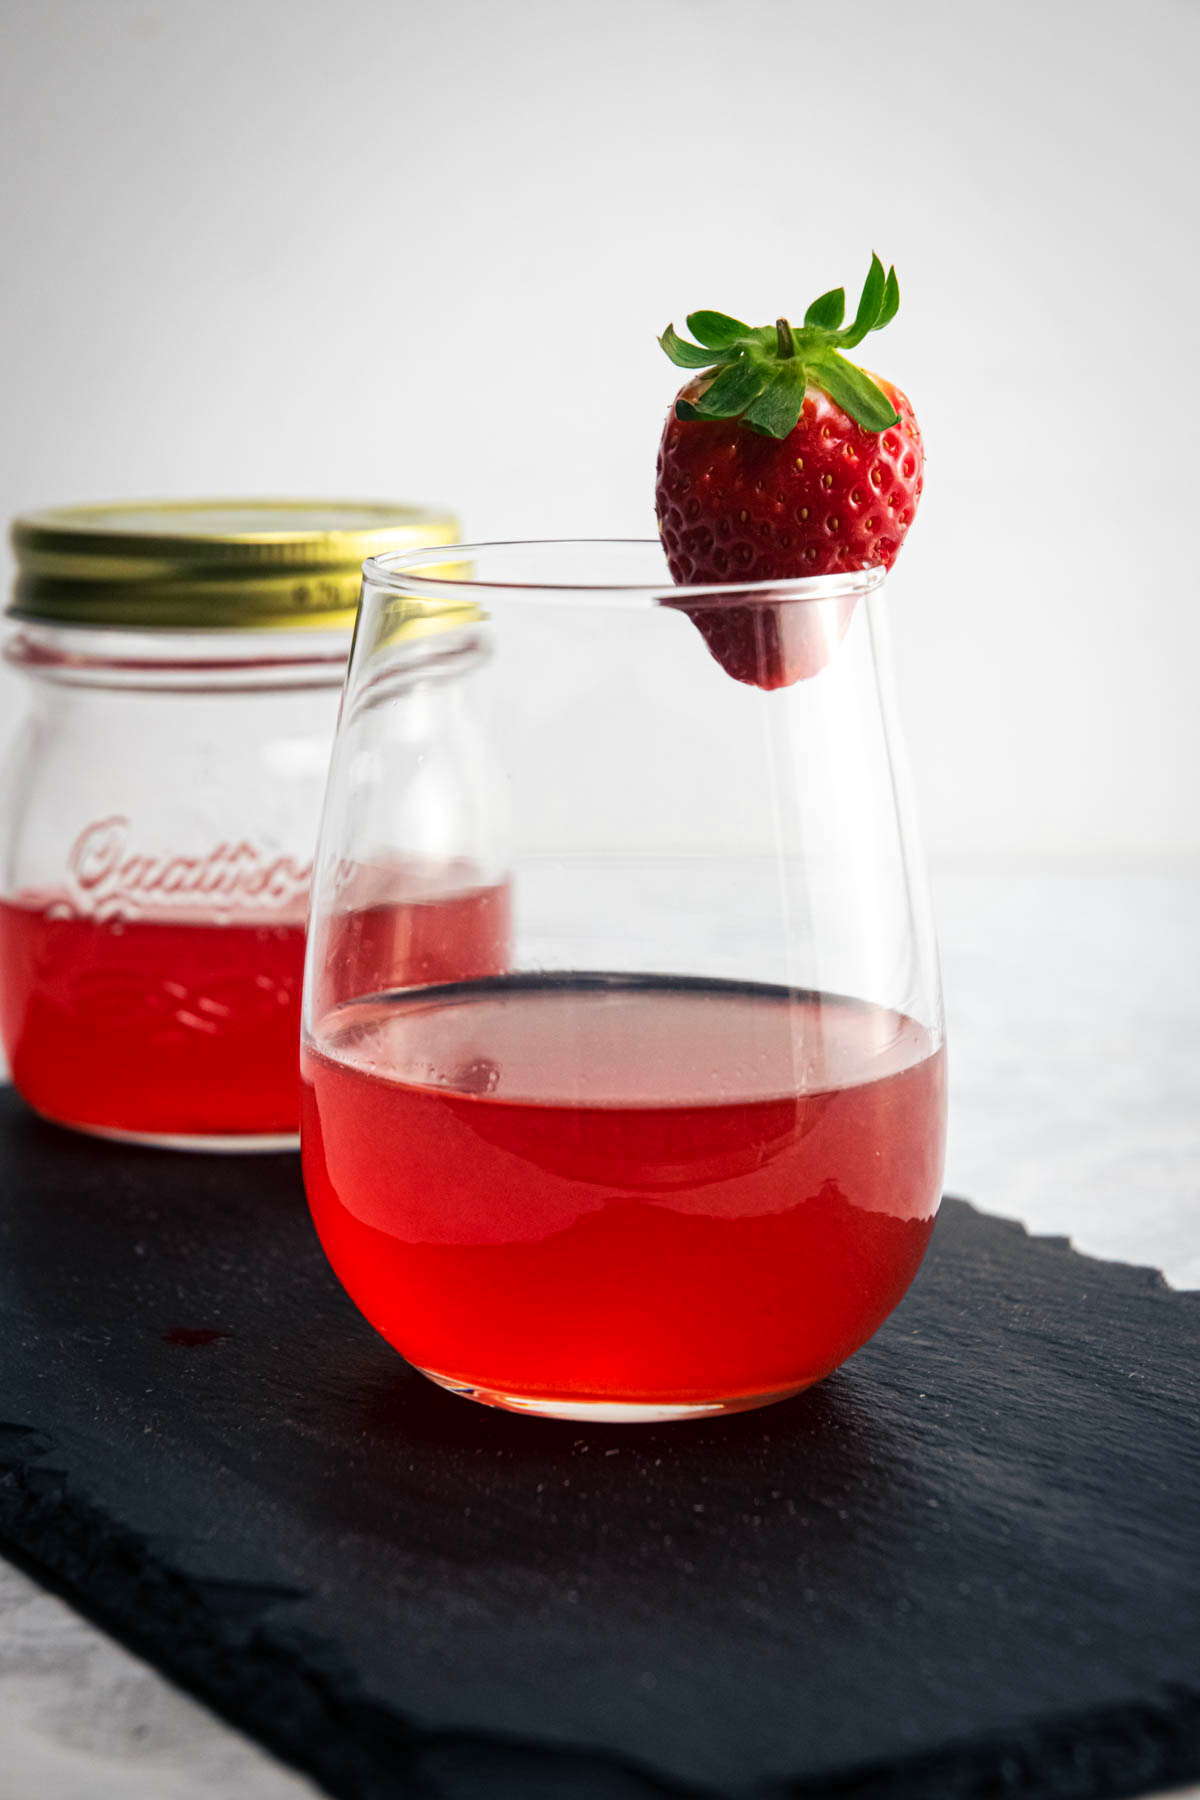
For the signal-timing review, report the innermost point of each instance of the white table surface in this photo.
(1074, 1029)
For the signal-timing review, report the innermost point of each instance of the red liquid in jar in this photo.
(610, 1188)
(190, 1028)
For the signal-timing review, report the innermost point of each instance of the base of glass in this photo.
(208, 1143)
(610, 1412)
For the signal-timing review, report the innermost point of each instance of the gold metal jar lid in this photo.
(210, 564)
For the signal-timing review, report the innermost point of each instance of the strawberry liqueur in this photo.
(188, 1027)
(574, 1190)
(152, 1027)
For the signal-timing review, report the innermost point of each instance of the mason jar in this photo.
(160, 804)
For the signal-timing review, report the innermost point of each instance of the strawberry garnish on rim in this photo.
(782, 459)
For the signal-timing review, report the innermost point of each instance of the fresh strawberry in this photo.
(784, 460)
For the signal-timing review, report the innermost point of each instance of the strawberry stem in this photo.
(760, 373)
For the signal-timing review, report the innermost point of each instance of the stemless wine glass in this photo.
(623, 1067)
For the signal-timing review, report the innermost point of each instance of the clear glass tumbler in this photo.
(623, 1046)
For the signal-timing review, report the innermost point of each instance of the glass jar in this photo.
(161, 800)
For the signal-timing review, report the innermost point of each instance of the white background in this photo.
(423, 250)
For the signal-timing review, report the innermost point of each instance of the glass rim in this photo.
(394, 571)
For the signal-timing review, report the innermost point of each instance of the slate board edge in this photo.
(232, 1650)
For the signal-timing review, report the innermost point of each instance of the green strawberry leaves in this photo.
(762, 372)
(735, 387)
(855, 392)
(685, 355)
(715, 329)
(870, 302)
(777, 409)
(891, 301)
(829, 311)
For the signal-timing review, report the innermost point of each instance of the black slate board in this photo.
(966, 1566)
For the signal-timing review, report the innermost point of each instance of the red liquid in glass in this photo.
(190, 1028)
(624, 1189)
